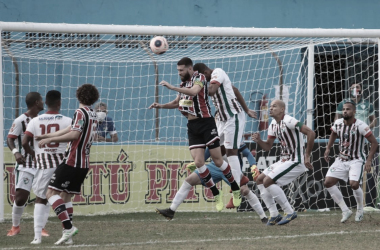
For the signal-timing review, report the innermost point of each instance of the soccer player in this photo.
(105, 124)
(231, 118)
(351, 160)
(364, 109)
(70, 174)
(47, 158)
(291, 165)
(194, 179)
(192, 101)
(24, 169)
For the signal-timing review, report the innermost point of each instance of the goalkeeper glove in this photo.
(191, 167)
(255, 172)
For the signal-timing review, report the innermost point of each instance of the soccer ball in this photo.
(158, 45)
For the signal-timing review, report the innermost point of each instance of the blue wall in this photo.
(222, 13)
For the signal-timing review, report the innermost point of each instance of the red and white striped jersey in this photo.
(78, 151)
(52, 154)
(351, 139)
(290, 138)
(17, 132)
(224, 99)
(197, 105)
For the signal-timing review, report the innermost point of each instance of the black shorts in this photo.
(68, 179)
(202, 132)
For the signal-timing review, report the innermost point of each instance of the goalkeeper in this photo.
(194, 179)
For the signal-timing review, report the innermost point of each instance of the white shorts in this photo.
(41, 181)
(231, 131)
(283, 173)
(347, 169)
(23, 180)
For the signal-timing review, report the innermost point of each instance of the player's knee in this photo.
(267, 181)
(260, 179)
(244, 190)
(328, 183)
(354, 185)
(20, 201)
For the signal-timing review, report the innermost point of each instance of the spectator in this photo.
(364, 110)
(105, 124)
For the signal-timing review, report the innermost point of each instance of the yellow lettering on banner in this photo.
(186, 103)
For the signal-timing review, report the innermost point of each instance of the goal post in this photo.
(310, 69)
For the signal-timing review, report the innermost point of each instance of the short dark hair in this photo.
(87, 94)
(200, 67)
(31, 98)
(53, 97)
(185, 61)
(350, 102)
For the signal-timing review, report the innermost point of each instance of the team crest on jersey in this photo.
(65, 185)
(353, 132)
(26, 180)
(345, 135)
(12, 128)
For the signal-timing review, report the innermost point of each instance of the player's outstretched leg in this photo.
(337, 196)
(167, 213)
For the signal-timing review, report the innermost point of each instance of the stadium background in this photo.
(282, 14)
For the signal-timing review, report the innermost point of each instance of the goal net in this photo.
(146, 166)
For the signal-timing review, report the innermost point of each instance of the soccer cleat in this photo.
(359, 215)
(36, 241)
(255, 172)
(219, 201)
(236, 198)
(274, 220)
(346, 215)
(167, 213)
(264, 220)
(230, 204)
(66, 235)
(44, 233)
(14, 231)
(244, 180)
(288, 218)
(69, 241)
(191, 167)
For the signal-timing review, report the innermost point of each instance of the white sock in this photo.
(39, 216)
(16, 214)
(225, 158)
(358, 193)
(235, 168)
(268, 200)
(279, 196)
(255, 204)
(224, 166)
(46, 214)
(337, 196)
(181, 195)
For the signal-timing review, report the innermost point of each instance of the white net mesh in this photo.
(145, 168)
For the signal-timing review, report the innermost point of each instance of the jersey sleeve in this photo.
(30, 129)
(217, 77)
(78, 121)
(200, 80)
(292, 122)
(364, 129)
(271, 132)
(15, 130)
(333, 127)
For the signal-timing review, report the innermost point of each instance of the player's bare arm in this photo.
(26, 145)
(55, 134)
(70, 136)
(372, 121)
(18, 156)
(332, 139)
(170, 105)
(251, 113)
(372, 152)
(310, 143)
(213, 88)
(193, 91)
(265, 145)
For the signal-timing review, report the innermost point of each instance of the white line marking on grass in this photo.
(197, 240)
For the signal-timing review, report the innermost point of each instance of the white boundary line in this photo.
(200, 240)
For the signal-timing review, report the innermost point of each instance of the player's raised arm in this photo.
(239, 97)
(310, 143)
(170, 105)
(193, 91)
(265, 145)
